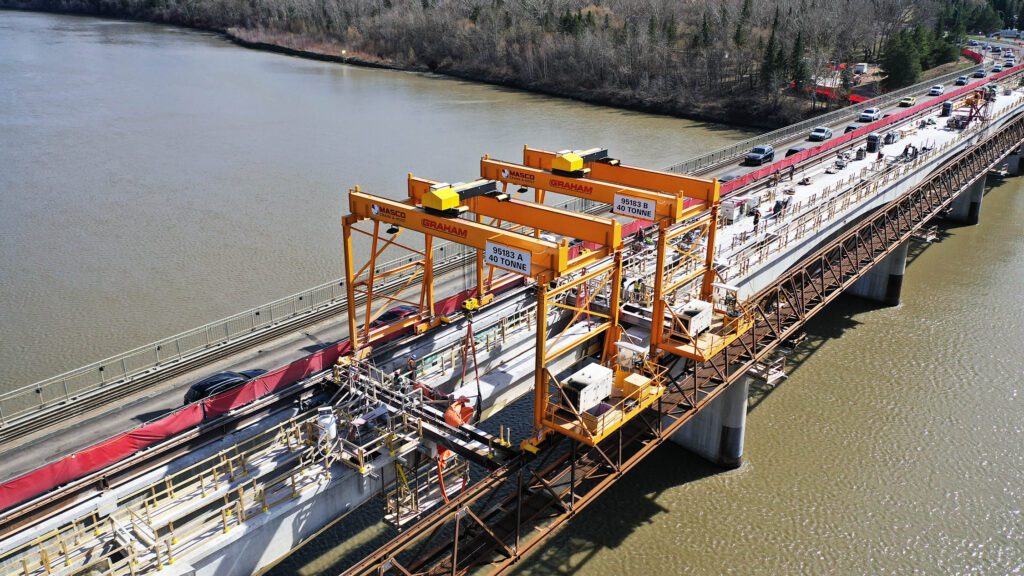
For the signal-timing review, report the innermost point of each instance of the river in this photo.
(153, 179)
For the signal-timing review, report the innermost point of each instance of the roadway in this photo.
(54, 442)
(737, 168)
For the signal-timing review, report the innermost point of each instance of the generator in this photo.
(588, 387)
(734, 209)
(695, 316)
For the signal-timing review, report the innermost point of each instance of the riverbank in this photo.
(744, 110)
(741, 113)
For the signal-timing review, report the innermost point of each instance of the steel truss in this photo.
(508, 513)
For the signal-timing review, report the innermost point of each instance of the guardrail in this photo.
(729, 153)
(63, 396)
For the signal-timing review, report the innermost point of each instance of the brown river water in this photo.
(153, 179)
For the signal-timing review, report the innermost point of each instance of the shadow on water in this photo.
(624, 508)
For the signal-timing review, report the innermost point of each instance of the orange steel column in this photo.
(658, 309)
(350, 271)
(540, 388)
(428, 274)
(614, 308)
(707, 290)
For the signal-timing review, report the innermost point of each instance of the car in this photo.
(759, 155)
(820, 134)
(392, 315)
(729, 177)
(220, 382)
(979, 73)
(972, 43)
(870, 115)
(908, 102)
(851, 128)
(996, 69)
(936, 90)
(961, 81)
(796, 150)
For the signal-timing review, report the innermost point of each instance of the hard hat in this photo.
(413, 357)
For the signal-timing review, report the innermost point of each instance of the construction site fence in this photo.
(729, 153)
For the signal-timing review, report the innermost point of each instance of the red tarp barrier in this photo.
(97, 457)
(972, 55)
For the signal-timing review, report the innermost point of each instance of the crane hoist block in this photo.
(567, 163)
(442, 198)
(447, 199)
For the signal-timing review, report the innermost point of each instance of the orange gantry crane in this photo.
(697, 324)
(588, 380)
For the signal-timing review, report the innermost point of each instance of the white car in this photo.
(936, 90)
(870, 115)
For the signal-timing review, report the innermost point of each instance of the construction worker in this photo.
(410, 366)
(757, 219)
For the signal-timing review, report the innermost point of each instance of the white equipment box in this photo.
(589, 386)
(695, 315)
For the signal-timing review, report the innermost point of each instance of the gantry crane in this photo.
(564, 283)
(683, 208)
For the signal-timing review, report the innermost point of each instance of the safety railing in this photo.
(729, 153)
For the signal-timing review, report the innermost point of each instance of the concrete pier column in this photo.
(966, 207)
(1013, 164)
(716, 432)
(884, 282)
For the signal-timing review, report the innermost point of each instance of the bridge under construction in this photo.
(637, 312)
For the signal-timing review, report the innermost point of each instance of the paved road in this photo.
(739, 169)
(69, 436)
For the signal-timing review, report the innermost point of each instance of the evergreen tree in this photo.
(740, 37)
(799, 73)
(901, 61)
(770, 67)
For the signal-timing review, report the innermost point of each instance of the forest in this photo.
(742, 61)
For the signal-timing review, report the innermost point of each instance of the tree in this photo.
(773, 66)
(901, 61)
(799, 73)
(740, 37)
(704, 39)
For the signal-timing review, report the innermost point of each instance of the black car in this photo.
(979, 73)
(393, 315)
(961, 81)
(759, 155)
(213, 385)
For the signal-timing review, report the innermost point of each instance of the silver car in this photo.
(870, 115)
(820, 134)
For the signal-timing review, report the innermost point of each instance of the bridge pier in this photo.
(966, 207)
(1013, 163)
(884, 282)
(716, 432)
